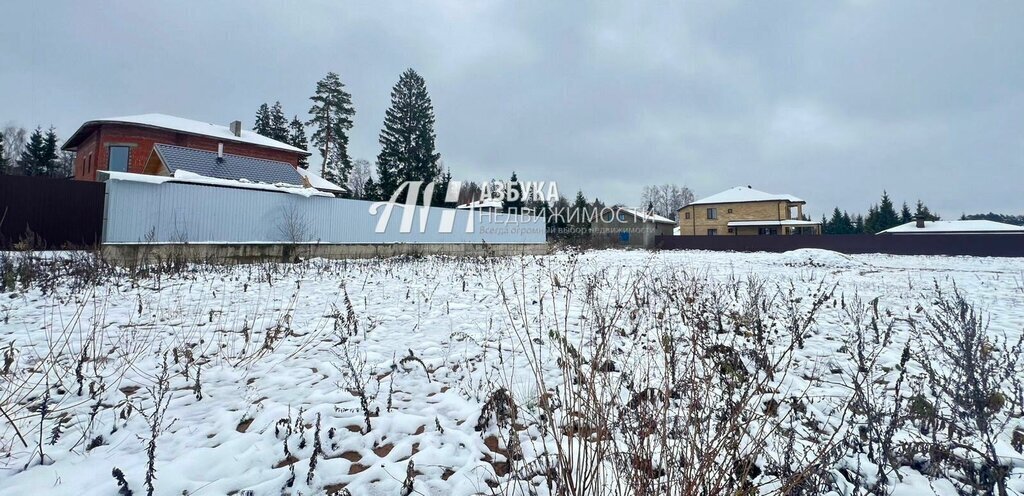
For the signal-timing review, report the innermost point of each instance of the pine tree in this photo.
(848, 224)
(278, 124)
(261, 125)
(297, 138)
(407, 140)
(33, 157)
(51, 165)
(858, 225)
(515, 189)
(332, 114)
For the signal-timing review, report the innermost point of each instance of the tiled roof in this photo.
(232, 167)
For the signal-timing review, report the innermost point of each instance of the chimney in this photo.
(920, 221)
(220, 152)
(236, 128)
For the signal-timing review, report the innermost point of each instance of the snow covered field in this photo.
(804, 372)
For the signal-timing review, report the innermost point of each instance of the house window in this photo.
(712, 213)
(687, 215)
(768, 231)
(712, 232)
(117, 158)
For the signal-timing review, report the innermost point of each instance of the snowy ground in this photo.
(273, 348)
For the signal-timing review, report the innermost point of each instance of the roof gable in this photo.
(744, 194)
(233, 167)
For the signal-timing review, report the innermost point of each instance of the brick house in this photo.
(745, 211)
(125, 144)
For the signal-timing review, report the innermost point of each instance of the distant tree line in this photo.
(1017, 220)
(407, 139)
(880, 216)
(33, 154)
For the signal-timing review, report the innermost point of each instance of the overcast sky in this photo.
(829, 101)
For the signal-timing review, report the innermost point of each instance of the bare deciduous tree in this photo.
(357, 178)
(666, 198)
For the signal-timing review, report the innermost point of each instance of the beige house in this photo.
(745, 211)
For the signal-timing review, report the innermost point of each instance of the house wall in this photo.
(92, 152)
(641, 234)
(698, 223)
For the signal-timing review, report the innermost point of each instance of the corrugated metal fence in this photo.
(141, 212)
(49, 212)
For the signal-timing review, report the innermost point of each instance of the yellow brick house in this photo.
(745, 211)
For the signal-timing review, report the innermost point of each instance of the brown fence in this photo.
(50, 213)
(984, 245)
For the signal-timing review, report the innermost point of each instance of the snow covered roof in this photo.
(182, 176)
(955, 227)
(646, 217)
(181, 125)
(786, 222)
(315, 181)
(743, 194)
(482, 205)
(205, 163)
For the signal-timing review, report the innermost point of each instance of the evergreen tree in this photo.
(835, 225)
(261, 125)
(580, 220)
(332, 114)
(33, 160)
(441, 189)
(905, 215)
(848, 224)
(297, 138)
(922, 211)
(859, 225)
(515, 189)
(887, 216)
(871, 221)
(370, 190)
(407, 140)
(278, 124)
(51, 164)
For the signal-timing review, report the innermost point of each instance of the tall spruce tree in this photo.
(407, 139)
(278, 124)
(331, 119)
(51, 162)
(297, 138)
(887, 216)
(515, 189)
(34, 158)
(261, 125)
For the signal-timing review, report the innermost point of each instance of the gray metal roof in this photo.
(235, 167)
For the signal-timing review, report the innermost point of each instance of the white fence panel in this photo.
(140, 212)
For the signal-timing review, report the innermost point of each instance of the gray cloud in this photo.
(830, 101)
